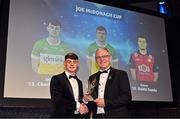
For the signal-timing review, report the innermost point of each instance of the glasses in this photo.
(105, 56)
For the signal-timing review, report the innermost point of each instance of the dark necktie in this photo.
(75, 77)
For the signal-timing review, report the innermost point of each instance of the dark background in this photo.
(41, 108)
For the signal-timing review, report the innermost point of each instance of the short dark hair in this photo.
(71, 55)
(141, 36)
(55, 22)
(101, 28)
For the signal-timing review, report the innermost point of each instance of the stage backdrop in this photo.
(28, 70)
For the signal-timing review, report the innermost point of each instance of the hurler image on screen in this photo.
(47, 56)
(101, 35)
(142, 64)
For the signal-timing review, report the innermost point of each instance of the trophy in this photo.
(91, 94)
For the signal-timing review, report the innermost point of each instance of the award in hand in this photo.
(91, 94)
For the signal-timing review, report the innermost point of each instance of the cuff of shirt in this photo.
(77, 106)
(84, 101)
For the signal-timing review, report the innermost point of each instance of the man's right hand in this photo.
(83, 109)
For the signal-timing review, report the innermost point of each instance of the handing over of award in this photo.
(91, 94)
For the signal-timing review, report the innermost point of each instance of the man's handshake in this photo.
(83, 109)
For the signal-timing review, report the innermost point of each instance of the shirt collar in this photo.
(67, 74)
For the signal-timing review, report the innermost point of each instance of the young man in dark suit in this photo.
(109, 88)
(67, 92)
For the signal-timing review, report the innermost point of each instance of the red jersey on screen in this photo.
(144, 65)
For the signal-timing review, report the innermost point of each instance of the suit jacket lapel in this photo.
(97, 77)
(68, 84)
(80, 96)
(109, 80)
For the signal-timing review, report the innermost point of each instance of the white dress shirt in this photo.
(75, 88)
(101, 88)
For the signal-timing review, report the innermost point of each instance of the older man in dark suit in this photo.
(109, 88)
(67, 92)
